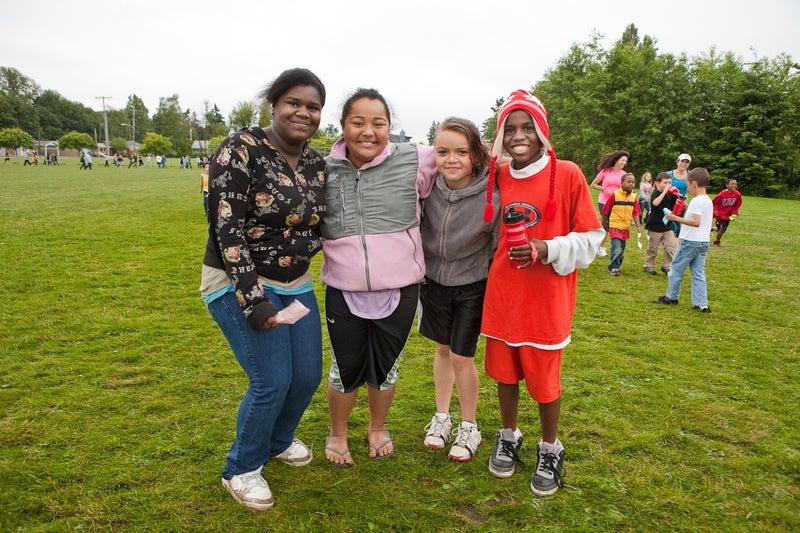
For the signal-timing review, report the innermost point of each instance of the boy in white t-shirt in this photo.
(694, 239)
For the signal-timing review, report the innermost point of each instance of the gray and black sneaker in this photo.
(505, 454)
(549, 474)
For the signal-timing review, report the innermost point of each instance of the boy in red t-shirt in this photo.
(726, 207)
(531, 289)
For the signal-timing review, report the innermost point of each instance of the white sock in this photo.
(554, 447)
(443, 416)
(469, 424)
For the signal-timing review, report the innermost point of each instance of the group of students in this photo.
(684, 236)
(399, 224)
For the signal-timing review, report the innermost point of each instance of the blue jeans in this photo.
(617, 253)
(283, 367)
(691, 254)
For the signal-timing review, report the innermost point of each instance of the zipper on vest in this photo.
(421, 268)
(441, 243)
(360, 214)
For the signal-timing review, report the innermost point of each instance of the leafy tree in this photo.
(155, 143)
(489, 126)
(143, 121)
(264, 114)
(15, 83)
(16, 112)
(118, 144)
(324, 138)
(15, 138)
(242, 115)
(170, 120)
(76, 141)
(58, 115)
(214, 143)
(214, 122)
(432, 132)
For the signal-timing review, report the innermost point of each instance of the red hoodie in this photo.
(727, 203)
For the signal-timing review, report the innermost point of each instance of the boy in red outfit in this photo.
(531, 289)
(726, 207)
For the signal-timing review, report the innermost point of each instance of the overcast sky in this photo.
(431, 59)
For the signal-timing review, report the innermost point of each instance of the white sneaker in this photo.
(250, 489)
(601, 252)
(468, 438)
(438, 431)
(297, 454)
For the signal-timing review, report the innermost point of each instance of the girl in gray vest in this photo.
(458, 246)
(373, 265)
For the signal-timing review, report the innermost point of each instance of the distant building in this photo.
(399, 137)
(200, 147)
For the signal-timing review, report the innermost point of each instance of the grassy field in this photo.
(118, 392)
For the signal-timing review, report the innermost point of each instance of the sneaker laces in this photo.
(461, 435)
(252, 480)
(547, 467)
(435, 427)
(509, 449)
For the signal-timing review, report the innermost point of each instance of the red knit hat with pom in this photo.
(522, 100)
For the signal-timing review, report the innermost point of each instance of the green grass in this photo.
(118, 392)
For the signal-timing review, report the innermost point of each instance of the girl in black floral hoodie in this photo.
(265, 204)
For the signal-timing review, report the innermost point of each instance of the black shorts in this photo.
(452, 315)
(367, 350)
(722, 224)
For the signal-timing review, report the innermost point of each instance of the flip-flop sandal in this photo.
(340, 453)
(377, 449)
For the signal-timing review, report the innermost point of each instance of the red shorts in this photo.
(541, 369)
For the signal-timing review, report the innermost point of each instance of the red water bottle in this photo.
(516, 234)
(680, 203)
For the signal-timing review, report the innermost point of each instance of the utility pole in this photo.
(105, 120)
(133, 110)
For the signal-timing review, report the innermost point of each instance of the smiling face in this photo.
(621, 162)
(296, 114)
(365, 130)
(683, 164)
(520, 139)
(732, 185)
(453, 158)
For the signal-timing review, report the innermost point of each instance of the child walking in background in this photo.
(726, 208)
(458, 249)
(694, 237)
(645, 189)
(532, 287)
(620, 210)
(659, 233)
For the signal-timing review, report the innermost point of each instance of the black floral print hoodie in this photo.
(263, 217)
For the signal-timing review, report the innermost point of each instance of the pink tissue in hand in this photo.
(291, 313)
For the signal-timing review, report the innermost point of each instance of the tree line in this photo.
(740, 119)
(45, 114)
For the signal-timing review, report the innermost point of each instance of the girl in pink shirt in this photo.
(608, 179)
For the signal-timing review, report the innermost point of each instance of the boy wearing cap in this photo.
(535, 283)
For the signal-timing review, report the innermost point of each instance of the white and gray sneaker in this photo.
(467, 439)
(549, 473)
(297, 454)
(250, 489)
(505, 454)
(438, 431)
(601, 252)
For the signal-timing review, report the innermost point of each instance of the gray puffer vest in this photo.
(458, 244)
